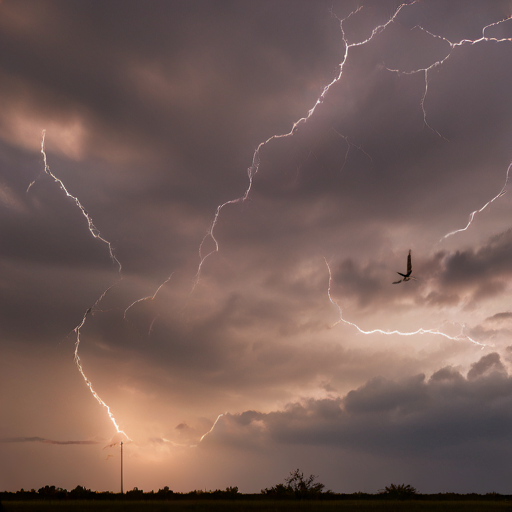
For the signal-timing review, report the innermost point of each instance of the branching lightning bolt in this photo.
(425, 92)
(251, 171)
(96, 234)
(87, 381)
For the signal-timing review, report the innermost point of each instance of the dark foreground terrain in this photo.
(251, 505)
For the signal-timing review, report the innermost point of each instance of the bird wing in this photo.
(396, 282)
(409, 263)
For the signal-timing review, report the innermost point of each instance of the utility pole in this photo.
(121, 467)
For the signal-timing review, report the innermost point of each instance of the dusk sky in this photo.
(230, 189)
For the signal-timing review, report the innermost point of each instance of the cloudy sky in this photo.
(259, 172)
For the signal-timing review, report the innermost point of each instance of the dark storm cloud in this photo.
(43, 440)
(483, 272)
(380, 395)
(183, 79)
(359, 282)
(413, 417)
(498, 317)
(488, 363)
(464, 277)
(493, 260)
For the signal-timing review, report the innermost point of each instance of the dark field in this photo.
(248, 505)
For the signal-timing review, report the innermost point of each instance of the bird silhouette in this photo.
(406, 277)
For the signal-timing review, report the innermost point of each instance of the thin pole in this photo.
(121, 467)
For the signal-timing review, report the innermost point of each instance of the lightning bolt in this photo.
(436, 332)
(438, 64)
(472, 214)
(96, 234)
(251, 171)
(150, 297)
(81, 370)
(350, 145)
(92, 228)
(213, 426)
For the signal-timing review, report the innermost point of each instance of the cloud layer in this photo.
(153, 116)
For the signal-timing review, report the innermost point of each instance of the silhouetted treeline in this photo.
(231, 493)
(82, 493)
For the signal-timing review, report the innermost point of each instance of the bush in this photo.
(80, 493)
(135, 494)
(296, 486)
(400, 492)
(52, 492)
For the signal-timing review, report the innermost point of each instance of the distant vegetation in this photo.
(295, 487)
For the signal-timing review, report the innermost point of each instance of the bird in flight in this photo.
(406, 277)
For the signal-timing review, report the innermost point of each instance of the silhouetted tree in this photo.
(400, 491)
(298, 486)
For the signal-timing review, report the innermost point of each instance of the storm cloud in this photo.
(261, 171)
